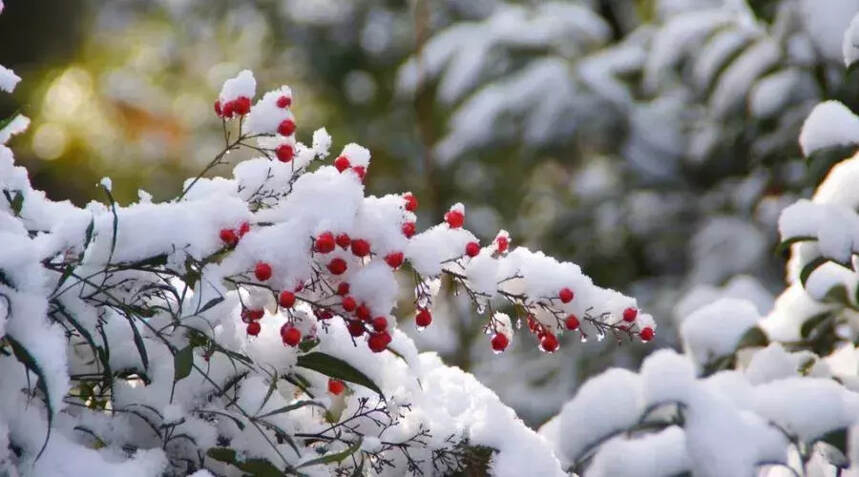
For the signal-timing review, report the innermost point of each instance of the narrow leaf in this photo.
(29, 361)
(337, 457)
(754, 337)
(338, 369)
(183, 361)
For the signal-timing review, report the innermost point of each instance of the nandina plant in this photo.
(248, 326)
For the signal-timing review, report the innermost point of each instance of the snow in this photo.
(603, 406)
(715, 330)
(829, 124)
(8, 79)
(834, 227)
(265, 115)
(241, 85)
(16, 126)
(661, 454)
(681, 33)
(741, 74)
(154, 280)
(816, 406)
(826, 26)
(666, 377)
(321, 142)
(850, 43)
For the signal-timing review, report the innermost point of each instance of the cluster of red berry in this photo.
(237, 107)
(358, 317)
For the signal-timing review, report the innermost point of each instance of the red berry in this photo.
(254, 328)
(472, 249)
(228, 108)
(322, 313)
(454, 219)
(343, 240)
(394, 259)
(629, 314)
(290, 335)
(566, 295)
(337, 266)
(284, 153)
(262, 271)
(380, 323)
(502, 242)
(229, 237)
(249, 316)
(244, 228)
(341, 163)
(549, 343)
(423, 318)
(499, 342)
(253, 315)
(286, 127)
(284, 102)
(572, 322)
(411, 202)
(646, 334)
(243, 105)
(361, 247)
(343, 289)
(408, 229)
(361, 171)
(363, 312)
(218, 108)
(335, 386)
(378, 342)
(533, 325)
(287, 299)
(349, 304)
(324, 243)
(356, 328)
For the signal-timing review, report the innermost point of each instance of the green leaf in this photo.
(235, 419)
(810, 267)
(810, 324)
(255, 467)
(836, 438)
(308, 344)
(7, 121)
(336, 457)
(88, 233)
(837, 294)
(338, 369)
(271, 387)
(138, 342)
(29, 361)
(16, 201)
(209, 304)
(183, 361)
(719, 364)
(754, 337)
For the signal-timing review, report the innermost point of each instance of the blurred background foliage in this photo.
(653, 142)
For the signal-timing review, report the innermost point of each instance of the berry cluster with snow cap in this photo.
(345, 258)
(267, 288)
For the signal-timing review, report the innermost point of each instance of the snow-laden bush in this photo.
(248, 326)
(752, 394)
